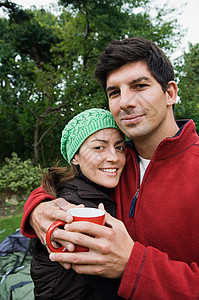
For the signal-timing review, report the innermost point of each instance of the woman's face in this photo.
(101, 157)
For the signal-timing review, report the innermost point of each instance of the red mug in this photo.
(88, 214)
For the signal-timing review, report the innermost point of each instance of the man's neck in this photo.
(147, 145)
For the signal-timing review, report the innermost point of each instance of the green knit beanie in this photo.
(81, 127)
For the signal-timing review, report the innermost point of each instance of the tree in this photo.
(188, 107)
(32, 78)
(48, 61)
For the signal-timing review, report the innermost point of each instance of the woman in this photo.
(93, 145)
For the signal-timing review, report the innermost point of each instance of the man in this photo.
(154, 249)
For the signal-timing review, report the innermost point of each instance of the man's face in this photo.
(137, 101)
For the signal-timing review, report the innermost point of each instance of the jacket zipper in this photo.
(134, 200)
(133, 203)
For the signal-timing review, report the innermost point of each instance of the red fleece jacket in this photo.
(165, 225)
(36, 197)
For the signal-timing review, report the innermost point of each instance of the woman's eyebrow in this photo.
(99, 140)
(119, 142)
(106, 141)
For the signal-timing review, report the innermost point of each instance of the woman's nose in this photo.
(111, 155)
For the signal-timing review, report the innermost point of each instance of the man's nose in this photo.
(128, 99)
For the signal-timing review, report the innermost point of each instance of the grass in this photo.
(8, 225)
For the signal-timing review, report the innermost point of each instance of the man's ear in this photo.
(74, 160)
(172, 90)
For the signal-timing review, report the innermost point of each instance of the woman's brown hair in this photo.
(56, 175)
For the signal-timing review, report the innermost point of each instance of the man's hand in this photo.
(109, 248)
(45, 213)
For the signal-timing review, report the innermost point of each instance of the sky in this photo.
(189, 18)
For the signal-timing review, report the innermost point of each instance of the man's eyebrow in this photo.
(110, 88)
(133, 81)
(142, 78)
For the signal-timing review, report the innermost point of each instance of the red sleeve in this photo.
(150, 274)
(36, 197)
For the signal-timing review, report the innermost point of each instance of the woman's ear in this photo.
(172, 93)
(74, 160)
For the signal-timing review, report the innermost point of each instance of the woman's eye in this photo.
(98, 148)
(120, 148)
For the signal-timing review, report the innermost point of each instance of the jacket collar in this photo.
(184, 138)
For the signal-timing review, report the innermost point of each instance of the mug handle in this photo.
(48, 237)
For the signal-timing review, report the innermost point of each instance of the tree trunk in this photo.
(36, 140)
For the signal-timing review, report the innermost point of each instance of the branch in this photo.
(9, 5)
(47, 131)
(51, 110)
(28, 108)
(16, 11)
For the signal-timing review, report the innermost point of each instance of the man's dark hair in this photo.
(134, 49)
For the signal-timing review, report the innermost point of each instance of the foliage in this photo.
(9, 225)
(188, 107)
(18, 176)
(47, 62)
(188, 110)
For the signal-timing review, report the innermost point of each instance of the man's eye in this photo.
(141, 86)
(113, 93)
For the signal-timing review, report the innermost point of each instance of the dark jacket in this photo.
(51, 280)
